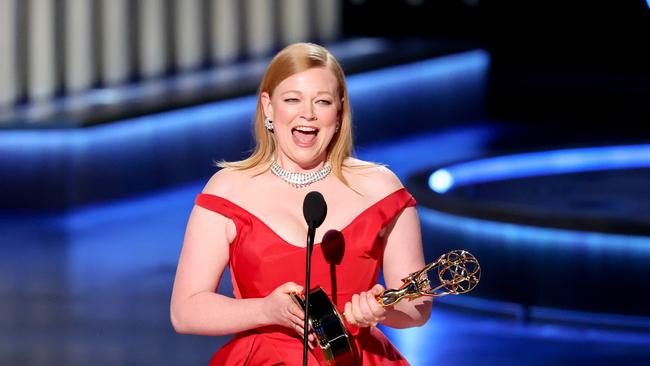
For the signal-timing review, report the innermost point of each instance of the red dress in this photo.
(343, 264)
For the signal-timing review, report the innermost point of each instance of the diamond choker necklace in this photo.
(300, 180)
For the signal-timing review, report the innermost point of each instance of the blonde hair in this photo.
(293, 59)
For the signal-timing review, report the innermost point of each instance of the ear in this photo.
(265, 98)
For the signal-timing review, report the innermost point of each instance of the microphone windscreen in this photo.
(314, 208)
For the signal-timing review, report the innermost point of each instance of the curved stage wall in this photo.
(58, 169)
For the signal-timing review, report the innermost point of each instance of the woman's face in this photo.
(305, 109)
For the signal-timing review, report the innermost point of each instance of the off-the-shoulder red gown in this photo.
(346, 262)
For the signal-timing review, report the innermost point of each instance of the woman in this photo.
(249, 216)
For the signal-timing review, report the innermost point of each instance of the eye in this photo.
(291, 100)
(324, 102)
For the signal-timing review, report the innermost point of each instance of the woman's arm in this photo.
(403, 255)
(196, 308)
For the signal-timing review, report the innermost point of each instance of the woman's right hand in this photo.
(280, 309)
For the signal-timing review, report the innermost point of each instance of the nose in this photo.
(308, 112)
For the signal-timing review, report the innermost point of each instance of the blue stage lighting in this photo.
(532, 236)
(537, 164)
(540, 163)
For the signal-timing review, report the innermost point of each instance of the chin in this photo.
(306, 159)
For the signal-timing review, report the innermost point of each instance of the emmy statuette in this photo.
(458, 272)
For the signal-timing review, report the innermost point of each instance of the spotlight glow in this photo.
(441, 181)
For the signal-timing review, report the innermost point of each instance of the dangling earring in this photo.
(338, 125)
(268, 124)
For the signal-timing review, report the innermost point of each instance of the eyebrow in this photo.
(299, 92)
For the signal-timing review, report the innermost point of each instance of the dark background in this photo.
(553, 62)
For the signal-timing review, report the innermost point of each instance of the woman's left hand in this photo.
(364, 310)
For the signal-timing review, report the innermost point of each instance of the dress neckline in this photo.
(284, 241)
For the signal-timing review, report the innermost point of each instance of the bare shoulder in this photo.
(224, 182)
(373, 179)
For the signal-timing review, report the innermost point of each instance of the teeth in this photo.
(306, 129)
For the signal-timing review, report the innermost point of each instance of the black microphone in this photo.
(314, 209)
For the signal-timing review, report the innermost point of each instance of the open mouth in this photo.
(304, 135)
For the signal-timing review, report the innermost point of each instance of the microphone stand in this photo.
(314, 209)
(311, 233)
